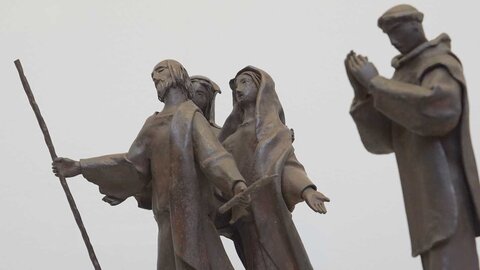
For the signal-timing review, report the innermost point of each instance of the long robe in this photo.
(421, 115)
(268, 238)
(180, 157)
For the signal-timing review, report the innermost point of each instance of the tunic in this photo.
(179, 158)
(241, 145)
(268, 239)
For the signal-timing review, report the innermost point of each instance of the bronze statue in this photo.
(256, 135)
(204, 92)
(178, 157)
(421, 115)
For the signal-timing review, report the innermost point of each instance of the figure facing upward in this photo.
(256, 135)
(204, 92)
(177, 157)
(421, 115)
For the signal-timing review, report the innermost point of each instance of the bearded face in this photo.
(162, 79)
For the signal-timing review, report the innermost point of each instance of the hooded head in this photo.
(252, 84)
(203, 95)
(403, 25)
(168, 74)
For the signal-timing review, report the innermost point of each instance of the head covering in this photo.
(269, 114)
(254, 75)
(271, 152)
(213, 87)
(399, 14)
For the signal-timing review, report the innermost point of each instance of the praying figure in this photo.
(421, 115)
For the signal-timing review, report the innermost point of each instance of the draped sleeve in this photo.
(430, 109)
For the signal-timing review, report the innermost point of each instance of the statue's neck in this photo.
(175, 96)
(249, 112)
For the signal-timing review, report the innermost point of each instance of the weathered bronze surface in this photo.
(261, 144)
(421, 115)
(177, 158)
(178, 167)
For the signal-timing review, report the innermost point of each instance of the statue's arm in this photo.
(374, 127)
(215, 162)
(120, 176)
(431, 109)
(294, 181)
(297, 187)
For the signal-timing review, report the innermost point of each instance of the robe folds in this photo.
(178, 157)
(421, 115)
(268, 239)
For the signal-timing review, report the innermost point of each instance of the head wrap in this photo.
(254, 75)
(269, 114)
(213, 87)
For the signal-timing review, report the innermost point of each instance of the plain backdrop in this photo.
(89, 65)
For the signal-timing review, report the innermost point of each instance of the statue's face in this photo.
(161, 78)
(406, 36)
(246, 90)
(200, 96)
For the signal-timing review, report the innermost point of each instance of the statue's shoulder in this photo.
(187, 110)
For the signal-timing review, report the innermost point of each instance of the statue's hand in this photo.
(112, 200)
(361, 69)
(358, 89)
(316, 200)
(66, 167)
(239, 187)
(239, 211)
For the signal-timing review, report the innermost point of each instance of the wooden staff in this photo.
(51, 149)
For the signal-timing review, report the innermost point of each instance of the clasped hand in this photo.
(360, 72)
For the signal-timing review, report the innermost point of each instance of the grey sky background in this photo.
(89, 65)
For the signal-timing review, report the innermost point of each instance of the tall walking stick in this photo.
(51, 149)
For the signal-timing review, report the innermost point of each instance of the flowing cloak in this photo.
(196, 160)
(421, 115)
(273, 154)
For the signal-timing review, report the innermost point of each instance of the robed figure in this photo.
(256, 135)
(421, 115)
(179, 159)
(204, 92)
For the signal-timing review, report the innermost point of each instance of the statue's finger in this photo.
(352, 63)
(322, 207)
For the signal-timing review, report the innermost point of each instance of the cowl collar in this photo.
(399, 60)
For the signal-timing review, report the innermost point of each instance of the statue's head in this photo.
(245, 86)
(403, 25)
(170, 74)
(203, 93)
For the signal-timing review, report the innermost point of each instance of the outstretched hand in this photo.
(66, 167)
(315, 200)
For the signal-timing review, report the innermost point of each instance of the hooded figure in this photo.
(204, 92)
(261, 146)
(421, 115)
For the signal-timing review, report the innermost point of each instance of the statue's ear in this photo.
(232, 84)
